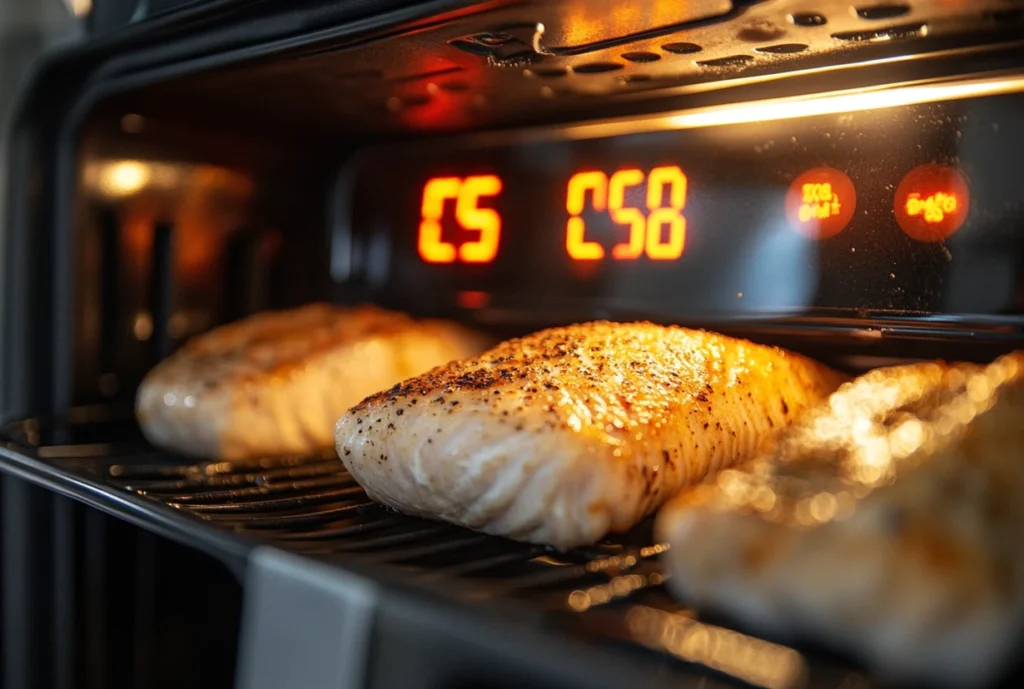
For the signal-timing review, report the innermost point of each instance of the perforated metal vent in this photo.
(519, 61)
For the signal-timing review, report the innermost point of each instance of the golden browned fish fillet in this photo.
(276, 383)
(570, 433)
(887, 522)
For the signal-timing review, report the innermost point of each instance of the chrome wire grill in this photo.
(609, 593)
(312, 506)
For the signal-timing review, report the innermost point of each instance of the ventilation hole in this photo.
(635, 78)
(454, 86)
(546, 72)
(596, 67)
(641, 56)
(882, 11)
(808, 19)
(681, 48)
(886, 34)
(730, 61)
(783, 48)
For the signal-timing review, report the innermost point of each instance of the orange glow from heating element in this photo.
(645, 231)
(486, 221)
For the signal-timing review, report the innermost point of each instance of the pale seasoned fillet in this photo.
(276, 383)
(887, 523)
(565, 435)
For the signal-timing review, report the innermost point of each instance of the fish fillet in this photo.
(886, 523)
(568, 434)
(277, 382)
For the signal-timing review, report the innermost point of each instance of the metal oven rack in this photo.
(340, 592)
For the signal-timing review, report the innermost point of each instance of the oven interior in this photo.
(227, 172)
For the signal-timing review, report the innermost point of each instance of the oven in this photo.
(840, 178)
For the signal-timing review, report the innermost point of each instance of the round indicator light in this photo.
(820, 202)
(931, 202)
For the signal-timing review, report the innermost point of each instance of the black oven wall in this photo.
(180, 228)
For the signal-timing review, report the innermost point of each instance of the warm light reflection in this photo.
(472, 299)
(203, 205)
(581, 23)
(853, 100)
(123, 177)
(80, 8)
(872, 431)
(752, 660)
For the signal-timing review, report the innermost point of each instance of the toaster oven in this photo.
(840, 178)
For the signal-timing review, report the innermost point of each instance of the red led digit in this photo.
(575, 243)
(646, 232)
(467, 194)
(632, 217)
(435, 193)
(672, 248)
(485, 220)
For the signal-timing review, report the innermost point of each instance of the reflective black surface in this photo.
(742, 257)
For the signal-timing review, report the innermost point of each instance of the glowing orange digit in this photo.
(575, 244)
(435, 193)
(467, 194)
(485, 220)
(673, 178)
(626, 216)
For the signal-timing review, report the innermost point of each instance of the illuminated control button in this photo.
(821, 202)
(931, 202)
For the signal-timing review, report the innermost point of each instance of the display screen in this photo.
(911, 209)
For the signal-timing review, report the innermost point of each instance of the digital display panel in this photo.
(910, 209)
